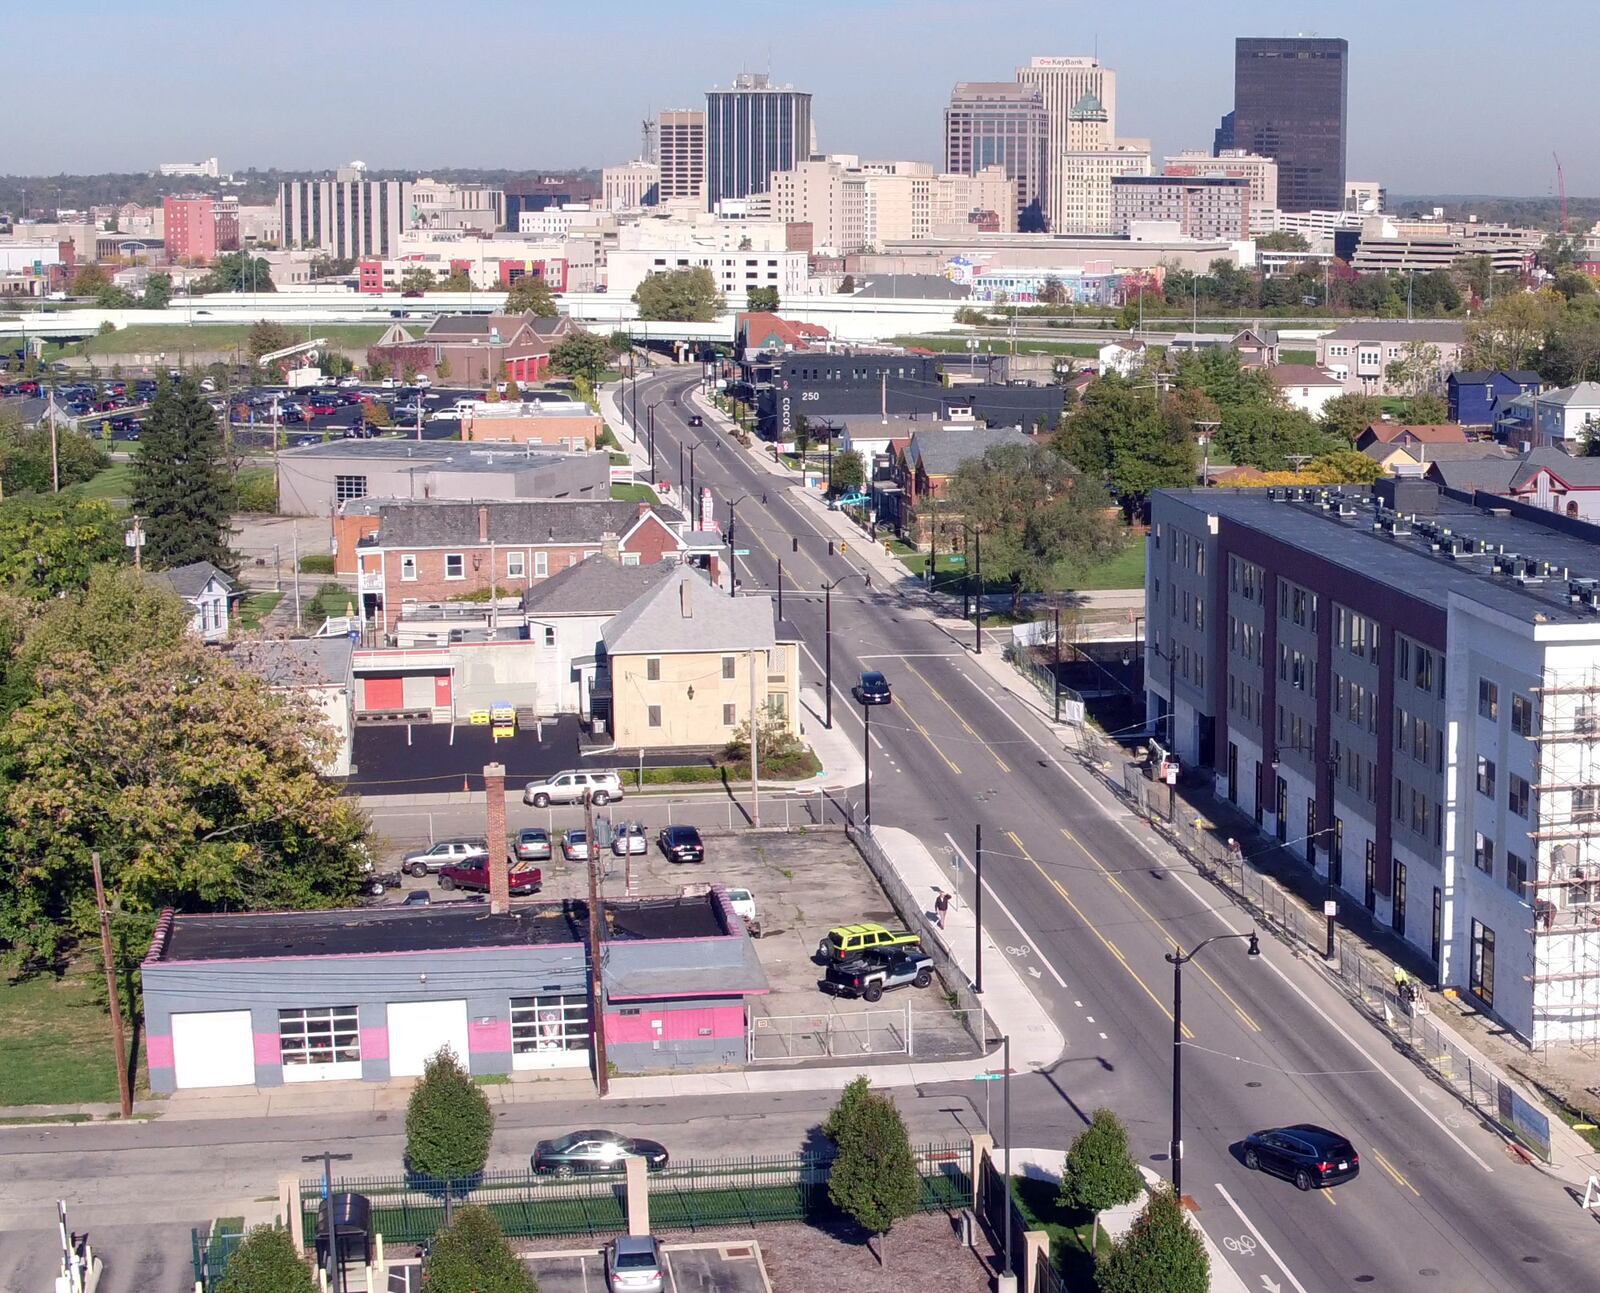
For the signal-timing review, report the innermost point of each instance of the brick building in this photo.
(199, 228)
(438, 552)
(556, 424)
(473, 349)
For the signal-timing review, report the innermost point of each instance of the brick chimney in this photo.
(611, 546)
(483, 525)
(494, 786)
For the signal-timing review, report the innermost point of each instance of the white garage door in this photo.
(213, 1048)
(417, 1029)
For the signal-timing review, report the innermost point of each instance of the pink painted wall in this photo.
(492, 1036)
(267, 1051)
(158, 1051)
(375, 1043)
(676, 1025)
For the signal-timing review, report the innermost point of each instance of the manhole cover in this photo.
(1428, 1270)
(1365, 1279)
(1532, 1260)
(1252, 1085)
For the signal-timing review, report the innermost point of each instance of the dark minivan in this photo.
(1306, 1154)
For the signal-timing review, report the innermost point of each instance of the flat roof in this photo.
(455, 453)
(453, 926)
(1406, 559)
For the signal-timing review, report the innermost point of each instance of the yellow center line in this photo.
(934, 745)
(1394, 1172)
(1106, 942)
(967, 727)
(1172, 942)
(1328, 1195)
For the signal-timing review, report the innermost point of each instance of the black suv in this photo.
(873, 974)
(1306, 1154)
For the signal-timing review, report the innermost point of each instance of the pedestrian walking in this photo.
(941, 907)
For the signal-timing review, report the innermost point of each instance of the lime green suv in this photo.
(844, 941)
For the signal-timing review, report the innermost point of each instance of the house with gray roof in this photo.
(207, 590)
(924, 467)
(684, 665)
(317, 670)
(1359, 354)
(1564, 416)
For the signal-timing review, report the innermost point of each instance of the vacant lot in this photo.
(142, 338)
(55, 1041)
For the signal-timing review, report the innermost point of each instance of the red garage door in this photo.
(385, 693)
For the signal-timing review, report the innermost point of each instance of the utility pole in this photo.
(294, 534)
(335, 1253)
(136, 541)
(1006, 1069)
(55, 457)
(977, 556)
(597, 1031)
(112, 996)
(755, 746)
(780, 588)
(977, 907)
(1055, 676)
(866, 758)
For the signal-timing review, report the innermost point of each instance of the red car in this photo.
(321, 408)
(525, 881)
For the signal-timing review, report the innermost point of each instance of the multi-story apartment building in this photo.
(1289, 104)
(1083, 181)
(851, 205)
(998, 123)
(1262, 172)
(1405, 690)
(348, 216)
(1210, 206)
(681, 154)
(1359, 354)
(199, 228)
(1062, 84)
(752, 130)
(630, 186)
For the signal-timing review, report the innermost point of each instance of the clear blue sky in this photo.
(1445, 95)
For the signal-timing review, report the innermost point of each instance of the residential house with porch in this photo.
(1359, 354)
(207, 591)
(1305, 386)
(428, 552)
(922, 471)
(684, 664)
(1565, 416)
(1476, 396)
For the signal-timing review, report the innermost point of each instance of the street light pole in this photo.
(692, 493)
(1006, 1126)
(1178, 958)
(977, 557)
(866, 756)
(827, 650)
(733, 556)
(650, 417)
(336, 1257)
(977, 908)
(1055, 676)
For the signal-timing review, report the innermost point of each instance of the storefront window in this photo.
(551, 1022)
(320, 1035)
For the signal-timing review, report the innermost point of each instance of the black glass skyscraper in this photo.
(1289, 104)
(753, 130)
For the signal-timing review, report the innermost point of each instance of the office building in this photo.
(197, 228)
(630, 186)
(1209, 206)
(206, 170)
(545, 191)
(998, 123)
(1289, 97)
(681, 154)
(348, 216)
(734, 272)
(1365, 197)
(752, 130)
(1405, 690)
(1062, 84)
(1262, 172)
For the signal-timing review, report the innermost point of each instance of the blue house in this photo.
(1477, 397)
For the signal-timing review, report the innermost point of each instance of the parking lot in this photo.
(804, 881)
(690, 1268)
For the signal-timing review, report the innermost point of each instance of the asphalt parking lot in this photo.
(690, 1268)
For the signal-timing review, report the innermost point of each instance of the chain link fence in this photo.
(1363, 977)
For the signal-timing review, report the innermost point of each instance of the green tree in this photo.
(1125, 435)
(762, 299)
(801, 429)
(874, 1178)
(237, 271)
(265, 336)
(1282, 240)
(25, 454)
(112, 297)
(448, 1122)
(90, 280)
(198, 787)
(1427, 409)
(1042, 524)
(417, 279)
(471, 1255)
(1221, 374)
(457, 280)
(1418, 370)
(513, 392)
(1099, 1172)
(182, 483)
(843, 1114)
(1347, 416)
(1572, 354)
(849, 472)
(530, 294)
(267, 1262)
(442, 370)
(1476, 275)
(49, 544)
(1346, 467)
(1573, 282)
(1265, 436)
(1162, 1253)
(1512, 332)
(581, 354)
(1560, 252)
(680, 296)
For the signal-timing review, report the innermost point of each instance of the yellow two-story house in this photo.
(685, 661)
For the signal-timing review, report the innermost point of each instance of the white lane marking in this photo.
(1000, 902)
(1170, 870)
(905, 655)
(1251, 1226)
(1089, 1018)
(1079, 1004)
(1103, 1037)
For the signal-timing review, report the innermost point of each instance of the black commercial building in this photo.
(1289, 104)
(545, 191)
(822, 385)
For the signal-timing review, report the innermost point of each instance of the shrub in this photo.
(1161, 1252)
(316, 563)
(874, 1176)
(448, 1122)
(257, 491)
(267, 1262)
(471, 1255)
(1099, 1172)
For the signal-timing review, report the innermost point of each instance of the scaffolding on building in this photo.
(1564, 887)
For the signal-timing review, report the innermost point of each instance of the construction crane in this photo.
(1561, 186)
(647, 128)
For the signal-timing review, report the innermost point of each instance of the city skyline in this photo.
(297, 100)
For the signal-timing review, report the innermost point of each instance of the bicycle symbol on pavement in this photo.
(1243, 1245)
(1024, 950)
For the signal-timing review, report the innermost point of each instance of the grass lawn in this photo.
(330, 600)
(1025, 346)
(55, 1041)
(1298, 356)
(173, 337)
(256, 608)
(794, 768)
(633, 492)
(1071, 1233)
(1125, 570)
(114, 484)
